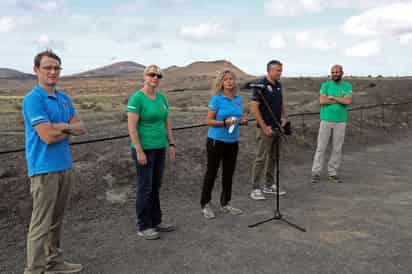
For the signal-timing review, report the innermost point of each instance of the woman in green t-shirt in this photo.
(151, 135)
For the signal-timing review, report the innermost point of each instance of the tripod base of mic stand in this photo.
(279, 217)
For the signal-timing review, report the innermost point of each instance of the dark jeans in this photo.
(148, 183)
(227, 153)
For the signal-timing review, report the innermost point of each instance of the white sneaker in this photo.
(148, 234)
(273, 190)
(63, 267)
(208, 212)
(257, 194)
(230, 209)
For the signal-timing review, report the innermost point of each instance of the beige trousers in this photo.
(50, 193)
(326, 129)
(265, 159)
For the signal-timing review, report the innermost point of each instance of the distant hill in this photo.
(6, 73)
(205, 68)
(200, 75)
(116, 69)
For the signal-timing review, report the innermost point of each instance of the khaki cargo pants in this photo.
(50, 193)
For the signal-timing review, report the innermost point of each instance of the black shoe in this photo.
(334, 179)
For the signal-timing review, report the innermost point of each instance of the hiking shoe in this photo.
(315, 179)
(257, 194)
(230, 209)
(208, 212)
(149, 234)
(165, 227)
(273, 190)
(63, 267)
(334, 179)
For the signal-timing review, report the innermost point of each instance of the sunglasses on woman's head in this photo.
(152, 74)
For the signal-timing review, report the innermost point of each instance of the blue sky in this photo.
(368, 37)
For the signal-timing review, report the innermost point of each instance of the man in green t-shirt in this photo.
(335, 96)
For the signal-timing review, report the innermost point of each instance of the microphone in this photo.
(252, 85)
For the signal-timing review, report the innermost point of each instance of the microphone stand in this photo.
(277, 215)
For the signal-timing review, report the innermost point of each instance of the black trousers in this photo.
(217, 152)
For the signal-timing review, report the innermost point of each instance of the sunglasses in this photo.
(152, 74)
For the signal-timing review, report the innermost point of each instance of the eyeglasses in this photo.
(50, 68)
(152, 74)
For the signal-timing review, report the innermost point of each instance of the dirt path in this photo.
(361, 226)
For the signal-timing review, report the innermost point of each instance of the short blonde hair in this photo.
(152, 69)
(217, 86)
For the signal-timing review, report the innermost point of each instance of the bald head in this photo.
(336, 73)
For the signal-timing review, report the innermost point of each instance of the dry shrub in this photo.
(17, 106)
(87, 105)
(99, 107)
(77, 101)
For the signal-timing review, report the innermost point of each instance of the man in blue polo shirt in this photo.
(267, 135)
(49, 120)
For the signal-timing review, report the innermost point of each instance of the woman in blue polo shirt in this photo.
(223, 118)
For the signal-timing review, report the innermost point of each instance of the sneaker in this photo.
(334, 179)
(273, 190)
(208, 212)
(165, 227)
(315, 179)
(149, 234)
(257, 194)
(64, 267)
(230, 209)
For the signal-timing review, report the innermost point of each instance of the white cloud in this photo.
(127, 8)
(167, 2)
(44, 39)
(48, 6)
(314, 40)
(7, 24)
(45, 42)
(394, 19)
(202, 32)
(277, 41)
(365, 4)
(405, 39)
(301, 7)
(37, 5)
(366, 49)
(292, 8)
(139, 5)
(150, 45)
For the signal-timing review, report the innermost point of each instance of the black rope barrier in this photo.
(104, 139)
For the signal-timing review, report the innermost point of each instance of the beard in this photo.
(337, 78)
